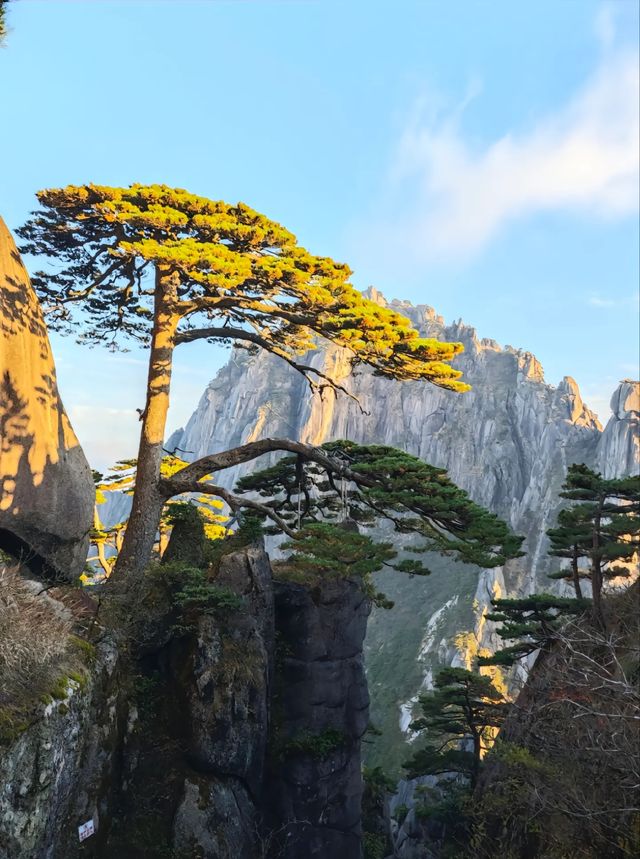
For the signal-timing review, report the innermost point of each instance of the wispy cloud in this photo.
(625, 301)
(582, 158)
(594, 301)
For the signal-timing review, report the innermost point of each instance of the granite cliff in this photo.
(508, 443)
(234, 736)
(46, 488)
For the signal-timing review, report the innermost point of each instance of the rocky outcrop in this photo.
(569, 748)
(618, 450)
(209, 740)
(46, 488)
(63, 769)
(321, 711)
(226, 686)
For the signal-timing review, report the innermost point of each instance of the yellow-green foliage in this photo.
(224, 260)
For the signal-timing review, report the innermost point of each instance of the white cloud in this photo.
(630, 301)
(595, 301)
(584, 158)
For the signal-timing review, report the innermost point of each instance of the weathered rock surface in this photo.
(321, 711)
(63, 770)
(619, 446)
(274, 751)
(226, 684)
(46, 488)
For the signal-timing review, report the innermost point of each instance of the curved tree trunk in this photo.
(148, 501)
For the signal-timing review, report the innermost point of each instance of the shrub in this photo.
(34, 636)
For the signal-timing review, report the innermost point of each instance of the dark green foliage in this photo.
(200, 596)
(194, 594)
(322, 551)
(569, 540)
(377, 786)
(446, 811)
(459, 718)
(602, 526)
(392, 485)
(3, 19)
(375, 845)
(188, 542)
(531, 622)
(377, 781)
(317, 746)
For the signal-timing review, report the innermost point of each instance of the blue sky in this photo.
(481, 157)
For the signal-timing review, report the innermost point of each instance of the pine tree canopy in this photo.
(383, 483)
(530, 621)
(324, 551)
(599, 532)
(463, 709)
(221, 271)
(573, 530)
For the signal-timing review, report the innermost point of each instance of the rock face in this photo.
(63, 770)
(47, 492)
(508, 442)
(321, 711)
(274, 736)
(226, 683)
(619, 446)
(217, 744)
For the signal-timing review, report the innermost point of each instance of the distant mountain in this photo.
(508, 442)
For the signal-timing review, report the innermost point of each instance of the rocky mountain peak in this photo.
(625, 402)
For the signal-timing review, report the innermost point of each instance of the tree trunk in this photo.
(596, 570)
(100, 543)
(477, 756)
(576, 573)
(146, 509)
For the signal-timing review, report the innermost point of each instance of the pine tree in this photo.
(165, 267)
(459, 720)
(531, 622)
(603, 526)
(571, 540)
(122, 479)
(325, 551)
(383, 483)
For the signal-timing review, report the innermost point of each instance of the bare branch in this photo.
(222, 333)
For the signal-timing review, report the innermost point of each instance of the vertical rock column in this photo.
(320, 712)
(225, 684)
